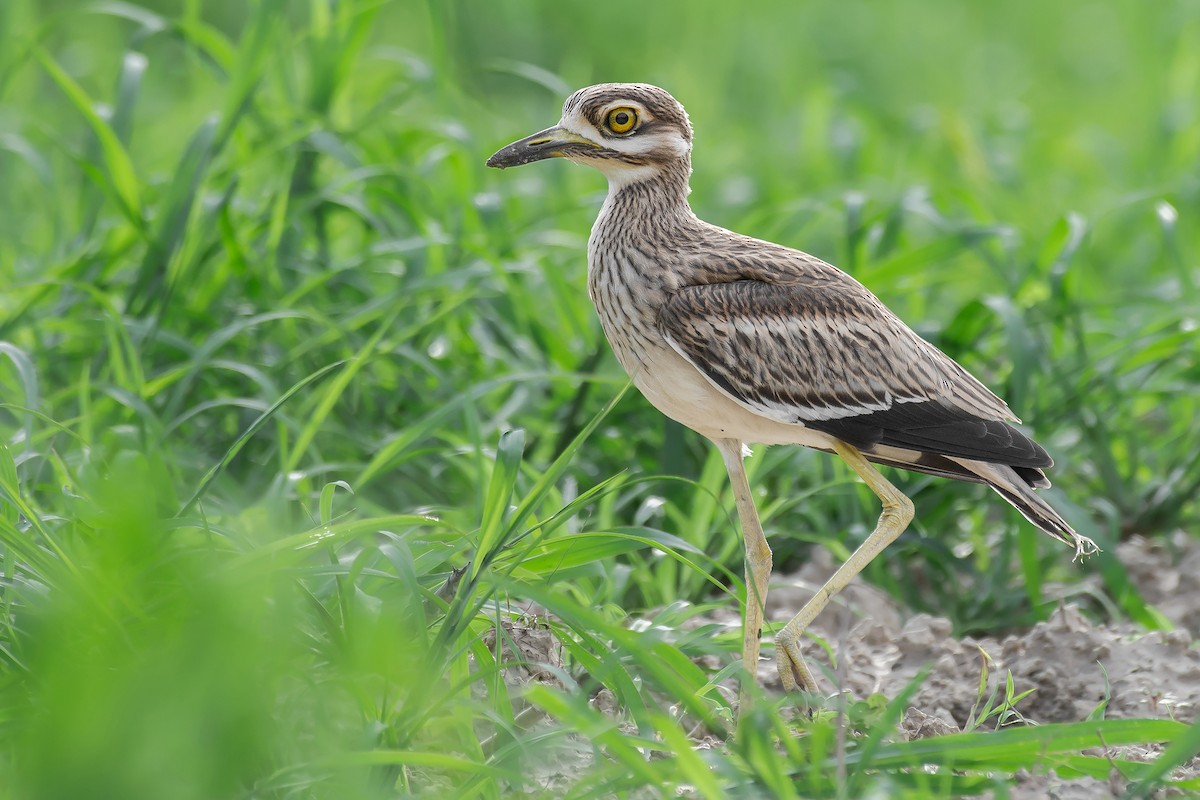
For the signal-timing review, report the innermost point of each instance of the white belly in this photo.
(677, 389)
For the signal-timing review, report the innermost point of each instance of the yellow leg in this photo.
(897, 513)
(758, 563)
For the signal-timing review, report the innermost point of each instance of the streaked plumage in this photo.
(749, 341)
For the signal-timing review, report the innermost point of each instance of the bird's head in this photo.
(628, 131)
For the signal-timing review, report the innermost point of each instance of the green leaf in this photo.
(327, 492)
(249, 432)
(122, 180)
(11, 487)
(171, 226)
(1028, 747)
(495, 507)
(1180, 749)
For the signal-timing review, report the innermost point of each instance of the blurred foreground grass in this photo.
(267, 326)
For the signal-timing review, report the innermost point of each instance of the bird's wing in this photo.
(830, 356)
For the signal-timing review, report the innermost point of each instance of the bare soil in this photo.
(1065, 659)
(1072, 664)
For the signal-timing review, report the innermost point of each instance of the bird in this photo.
(747, 341)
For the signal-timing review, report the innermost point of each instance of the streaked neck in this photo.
(657, 190)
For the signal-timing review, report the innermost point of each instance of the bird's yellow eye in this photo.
(621, 120)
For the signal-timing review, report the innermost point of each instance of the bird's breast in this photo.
(626, 286)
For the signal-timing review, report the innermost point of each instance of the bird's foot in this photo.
(797, 679)
(793, 672)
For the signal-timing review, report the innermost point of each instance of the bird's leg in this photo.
(758, 563)
(897, 513)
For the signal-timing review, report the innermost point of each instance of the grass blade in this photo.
(1152, 776)
(122, 184)
(495, 507)
(247, 434)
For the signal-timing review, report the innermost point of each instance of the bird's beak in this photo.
(556, 141)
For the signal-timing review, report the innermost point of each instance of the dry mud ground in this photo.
(1065, 658)
(1070, 662)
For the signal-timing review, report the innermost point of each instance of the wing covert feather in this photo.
(833, 358)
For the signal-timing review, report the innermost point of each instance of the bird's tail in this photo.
(1017, 491)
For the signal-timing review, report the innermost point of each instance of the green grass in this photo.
(279, 357)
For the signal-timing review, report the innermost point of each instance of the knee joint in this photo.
(900, 508)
